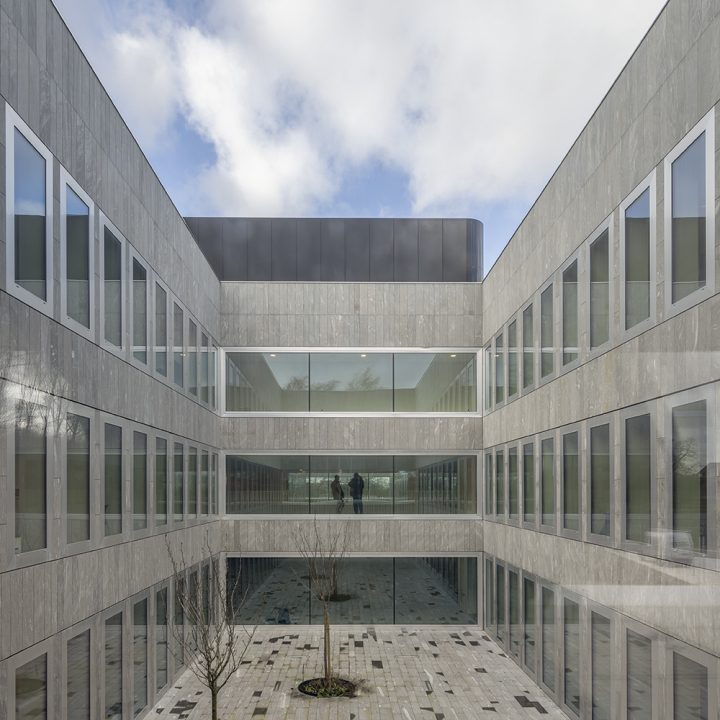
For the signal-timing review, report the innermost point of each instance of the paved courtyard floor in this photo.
(404, 672)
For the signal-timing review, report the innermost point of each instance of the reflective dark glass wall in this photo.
(301, 484)
(341, 250)
(384, 591)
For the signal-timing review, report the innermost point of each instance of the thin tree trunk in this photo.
(327, 653)
(213, 699)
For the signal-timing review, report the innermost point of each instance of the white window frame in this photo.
(705, 125)
(67, 180)
(65, 637)
(564, 367)
(606, 224)
(175, 347)
(541, 379)
(543, 527)
(533, 305)
(517, 521)
(590, 536)
(134, 256)
(156, 281)
(535, 523)
(15, 662)
(169, 477)
(574, 429)
(13, 121)
(648, 183)
(106, 344)
(125, 504)
(711, 663)
(149, 484)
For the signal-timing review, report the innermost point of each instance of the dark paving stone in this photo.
(527, 703)
(377, 663)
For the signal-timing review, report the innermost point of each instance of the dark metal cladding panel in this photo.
(430, 246)
(381, 251)
(333, 250)
(284, 249)
(309, 250)
(475, 250)
(357, 250)
(208, 235)
(406, 250)
(259, 230)
(235, 249)
(455, 251)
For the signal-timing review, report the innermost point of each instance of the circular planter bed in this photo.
(318, 688)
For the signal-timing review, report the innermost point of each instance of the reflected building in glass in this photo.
(532, 450)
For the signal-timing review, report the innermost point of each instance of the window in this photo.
(638, 478)
(178, 346)
(161, 330)
(113, 479)
(600, 290)
(500, 602)
(488, 485)
(528, 339)
(514, 612)
(512, 359)
(214, 485)
(571, 655)
(179, 622)
(547, 483)
(192, 481)
(547, 345)
(139, 310)
(77, 240)
(600, 480)
(29, 213)
(204, 368)
(113, 292)
(161, 639)
(489, 595)
(140, 653)
(212, 371)
(113, 668)
(639, 254)
(689, 477)
(489, 389)
(204, 482)
(571, 483)
(601, 660)
(529, 623)
(690, 689)
(78, 677)
(570, 313)
(30, 478)
(192, 355)
(513, 483)
(499, 369)
(140, 478)
(639, 677)
(77, 467)
(529, 483)
(161, 482)
(548, 638)
(31, 690)
(179, 482)
(500, 483)
(689, 201)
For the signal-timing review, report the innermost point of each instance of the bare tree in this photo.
(208, 633)
(323, 547)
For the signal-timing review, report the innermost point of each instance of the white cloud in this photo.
(475, 101)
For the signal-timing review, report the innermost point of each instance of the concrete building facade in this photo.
(538, 448)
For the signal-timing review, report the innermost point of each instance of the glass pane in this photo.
(77, 257)
(513, 483)
(690, 689)
(529, 623)
(601, 667)
(489, 597)
(512, 359)
(547, 491)
(179, 622)
(178, 482)
(275, 382)
(30, 478)
(161, 329)
(688, 221)
(78, 677)
(489, 482)
(113, 668)
(637, 478)
(600, 291)
(192, 481)
(571, 483)
(140, 651)
(139, 312)
(139, 481)
(78, 478)
(204, 483)
(434, 382)
(528, 347)
(548, 638)
(570, 313)
(351, 382)
(192, 356)
(178, 347)
(113, 479)
(426, 485)
(500, 602)
(639, 677)
(500, 483)
(499, 369)
(112, 288)
(571, 654)
(204, 369)
(514, 612)
(547, 345)
(489, 389)
(161, 638)
(689, 477)
(529, 482)
(30, 211)
(161, 481)
(31, 690)
(637, 261)
(600, 480)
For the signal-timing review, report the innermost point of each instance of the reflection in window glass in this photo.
(529, 623)
(78, 478)
(548, 638)
(689, 476)
(179, 622)
(161, 638)
(140, 652)
(547, 345)
(514, 612)
(529, 482)
(639, 677)
(570, 313)
(113, 479)
(211, 375)
(489, 597)
(30, 218)
(77, 257)
(192, 481)
(601, 666)
(178, 347)
(161, 482)
(512, 359)
(571, 655)
(139, 301)
(204, 482)
(571, 483)
(489, 482)
(179, 482)
(600, 480)
(30, 478)
(689, 211)
(78, 677)
(161, 328)
(351, 382)
(139, 481)
(31, 690)
(528, 340)
(547, 483)
(499, 369)
(600, 291)
(489, 389)
(500, 483)
(192, 356)
(113, 668)
(637, 261)
(637, 478)
(690, 689)
(500, 602)
(513, 483)
(112, 288)
(204, 368)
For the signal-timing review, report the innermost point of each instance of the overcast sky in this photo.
(434, 108)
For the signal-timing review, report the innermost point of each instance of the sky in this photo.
(358, 108)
